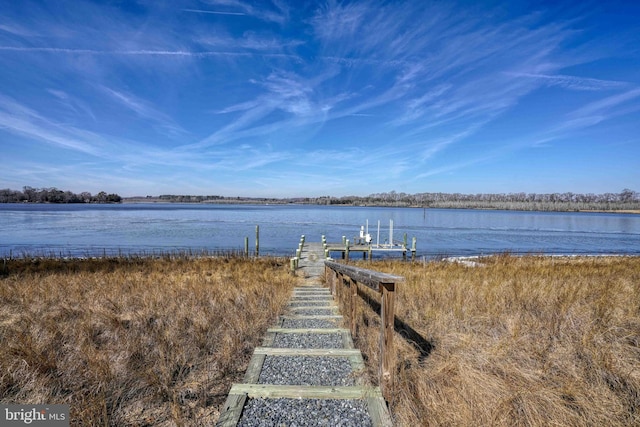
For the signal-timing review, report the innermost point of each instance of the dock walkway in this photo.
(307, 371)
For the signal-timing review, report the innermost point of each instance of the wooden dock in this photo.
(347, 247)
(309, 298)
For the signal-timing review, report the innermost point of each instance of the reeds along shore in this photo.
(530, 341)
(134, 341)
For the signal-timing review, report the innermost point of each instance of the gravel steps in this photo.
(307, 373)
(306, 412)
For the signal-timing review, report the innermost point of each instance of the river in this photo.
(93, 230)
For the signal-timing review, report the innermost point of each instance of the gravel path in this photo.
(314, 312)
(305, 412)
(309, 323)
(320, 303)
(308, 341)
(305, 370)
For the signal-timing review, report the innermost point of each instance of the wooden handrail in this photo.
(384, 284)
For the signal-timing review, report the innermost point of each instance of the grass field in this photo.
(134, 341)
(531, 341)
(519, 341)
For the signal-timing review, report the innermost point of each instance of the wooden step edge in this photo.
(232, 410)
(312, 303)
(312, 294)
(305, 392)
(379, 412)
(277, 351)
(313, 307)
(307, 330)
(252, 375)
(307, 317)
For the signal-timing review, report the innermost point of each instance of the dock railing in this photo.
(346, 278)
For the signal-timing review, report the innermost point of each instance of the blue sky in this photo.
(289, 98)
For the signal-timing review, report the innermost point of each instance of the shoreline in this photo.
(463, 259)
(277, 202)
(136, 200)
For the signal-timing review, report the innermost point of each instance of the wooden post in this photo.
(413, 249)
(257, 240)
(387, 359)
(246, 246)
(327, 278)
(353, 288)
(334, 280)
(346, 250)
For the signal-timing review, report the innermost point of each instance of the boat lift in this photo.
(363, 243)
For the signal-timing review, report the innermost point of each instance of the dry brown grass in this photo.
(531, 341)
(134, 342)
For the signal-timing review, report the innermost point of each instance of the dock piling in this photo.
(257, 240)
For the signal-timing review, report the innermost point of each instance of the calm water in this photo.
(81, 230)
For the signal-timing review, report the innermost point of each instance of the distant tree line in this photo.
(188, 199)
(173, 198)
(625, 200)
(53, 195)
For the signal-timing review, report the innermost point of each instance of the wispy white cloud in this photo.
(573, 82)
(159, 53)
(16, 29)
(260, 12)
(592, 114)
(214, 12)
(144, 110)
(24, 121)
(250, 40)
(396, 86)
(77, 107)
(607, 105)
